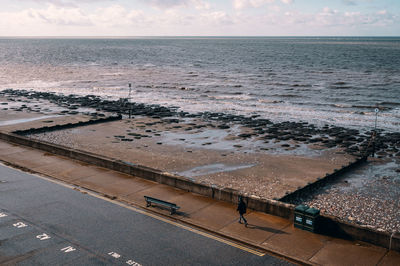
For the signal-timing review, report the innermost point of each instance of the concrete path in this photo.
(265, 231)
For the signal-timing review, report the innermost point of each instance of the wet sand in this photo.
(216, 159)
(23, 113)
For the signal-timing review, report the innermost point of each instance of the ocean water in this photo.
(327, 80)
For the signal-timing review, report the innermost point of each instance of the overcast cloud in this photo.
(198, 17)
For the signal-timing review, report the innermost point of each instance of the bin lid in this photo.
(301, 208)
(312, 211)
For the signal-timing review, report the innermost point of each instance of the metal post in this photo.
(375, 133)
(130, 88)
(390, 242)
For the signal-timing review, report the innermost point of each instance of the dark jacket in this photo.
(241, 207)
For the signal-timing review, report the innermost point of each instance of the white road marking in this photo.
(20, 225)
(114, 254)
(2, 214)
(68, 249)
(144, 212)
(43, 237)
(134, 263)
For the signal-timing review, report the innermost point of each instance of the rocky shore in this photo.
(375, 203)
(353, 141)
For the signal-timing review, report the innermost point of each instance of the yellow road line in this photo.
(196, 231)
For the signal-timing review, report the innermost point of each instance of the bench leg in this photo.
(148, 204)
(172, 211)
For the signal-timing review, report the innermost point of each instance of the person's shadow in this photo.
(267, 229)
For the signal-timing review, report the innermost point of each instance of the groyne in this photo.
(322, 181)
(67, 126)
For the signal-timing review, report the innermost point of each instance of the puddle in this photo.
(217, 139)
(300, 150)
(24, 120)
(212, 169)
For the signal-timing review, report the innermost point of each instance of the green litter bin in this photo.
(299, 213)
(311, 219)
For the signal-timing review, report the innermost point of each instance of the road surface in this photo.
(46, 222)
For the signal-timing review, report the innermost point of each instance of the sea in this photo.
(343, 81)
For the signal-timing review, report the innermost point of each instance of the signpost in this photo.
(374, 134)
(376, 116)
(129, 98)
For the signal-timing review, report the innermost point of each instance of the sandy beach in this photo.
(191, 154)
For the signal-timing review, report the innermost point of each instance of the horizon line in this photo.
(202, 36)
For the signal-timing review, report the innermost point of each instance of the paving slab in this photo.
(191, 203)
(56, 167)
(25, 158)
(80, 171)
(128, 186)
(392, 258)
(296, 242)
(260, 227)
(115, 184)
(215, 216)
(341, 252)
(6, 148)
(65, 169)
(159, 191)
(100, 179)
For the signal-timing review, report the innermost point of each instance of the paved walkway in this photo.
(264, 231)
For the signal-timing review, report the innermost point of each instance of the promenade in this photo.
(265, 233)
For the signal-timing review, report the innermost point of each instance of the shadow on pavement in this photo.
(267, 229)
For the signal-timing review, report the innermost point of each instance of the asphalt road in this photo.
(43, 222)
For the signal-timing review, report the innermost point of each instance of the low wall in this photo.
(68, 125)
(329, 224)
(229, 195)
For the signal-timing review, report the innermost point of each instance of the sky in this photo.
(199, 17)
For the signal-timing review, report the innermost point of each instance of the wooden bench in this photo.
(172, 206)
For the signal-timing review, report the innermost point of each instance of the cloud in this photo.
(117, 15)
(328, 18)
(168, 4)
(217, 18)
(57, 15)
(200, 19)
(67, 3)
(242, 4)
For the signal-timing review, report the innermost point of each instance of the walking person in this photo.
(242, 210)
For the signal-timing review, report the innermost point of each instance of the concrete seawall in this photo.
(329, 224)
(230, 195)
